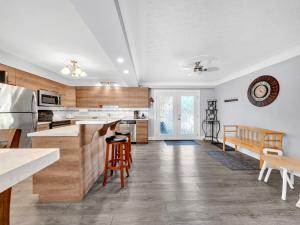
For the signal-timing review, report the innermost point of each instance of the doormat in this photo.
(220, 146)
(181, 142)
(234, 160)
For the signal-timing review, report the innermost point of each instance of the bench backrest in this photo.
(265, 137)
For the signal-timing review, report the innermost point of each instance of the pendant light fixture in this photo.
(73, 69)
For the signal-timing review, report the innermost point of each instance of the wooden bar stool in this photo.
(115, 158)
(128, 135)
(9, 138)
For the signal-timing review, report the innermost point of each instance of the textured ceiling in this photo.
(244, 36)
(240, 33)
(49, 34)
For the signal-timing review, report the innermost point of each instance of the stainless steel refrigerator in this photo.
(18, 109)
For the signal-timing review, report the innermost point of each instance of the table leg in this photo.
(261, 173)
(284, 184)
(5, 206)
(298, 203)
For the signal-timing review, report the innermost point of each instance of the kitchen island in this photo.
(82, 154)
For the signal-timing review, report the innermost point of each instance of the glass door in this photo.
(166, 115)
(177, 114)
(187, 116)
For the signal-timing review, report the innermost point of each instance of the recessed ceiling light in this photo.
(125, 71)
(120, 60)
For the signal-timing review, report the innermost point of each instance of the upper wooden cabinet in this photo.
(68, 96)
(95, 97)
(33, 82)
(10, 72)
(138, 97)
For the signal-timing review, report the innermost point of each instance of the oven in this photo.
(48, 98)
(47, 116)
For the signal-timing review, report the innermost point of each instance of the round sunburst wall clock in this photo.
(263, 90)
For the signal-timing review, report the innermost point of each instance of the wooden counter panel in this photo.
(62, 179)
(93, 159)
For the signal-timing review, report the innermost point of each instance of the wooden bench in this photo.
(252, 138)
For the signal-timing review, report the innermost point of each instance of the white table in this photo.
(17, 165)
(287, 165)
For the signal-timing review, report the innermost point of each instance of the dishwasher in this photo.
(129, 125)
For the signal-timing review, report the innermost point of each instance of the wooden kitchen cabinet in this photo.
(142, 131)
(33, 82)
(11, 72)
(138, 97)
(88, 97)
(124, 97)
(68, 96)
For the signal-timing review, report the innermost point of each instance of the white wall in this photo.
(281, 115)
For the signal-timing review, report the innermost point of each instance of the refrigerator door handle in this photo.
(34, 112)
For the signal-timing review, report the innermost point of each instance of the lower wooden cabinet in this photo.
(142, 131)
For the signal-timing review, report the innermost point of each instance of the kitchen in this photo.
(149, 112)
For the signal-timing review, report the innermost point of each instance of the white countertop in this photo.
(41, 123)
(66, 131)
(131, 118)
(70, 131)
(97, 121)
(19, 164)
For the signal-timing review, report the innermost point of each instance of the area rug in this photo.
(181, 142)
(234, 160)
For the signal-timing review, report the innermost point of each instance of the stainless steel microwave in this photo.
(48, 98)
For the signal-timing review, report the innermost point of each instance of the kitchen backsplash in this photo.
(60, 113)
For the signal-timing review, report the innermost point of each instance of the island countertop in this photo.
(72, 130)
(18, 164)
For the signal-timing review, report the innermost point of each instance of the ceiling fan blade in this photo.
(186, 68)
(211, 69)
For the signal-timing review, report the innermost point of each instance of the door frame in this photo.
(177, 92)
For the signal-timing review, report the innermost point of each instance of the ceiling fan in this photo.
(197, 67)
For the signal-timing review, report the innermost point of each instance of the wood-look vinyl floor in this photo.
(169, 185)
